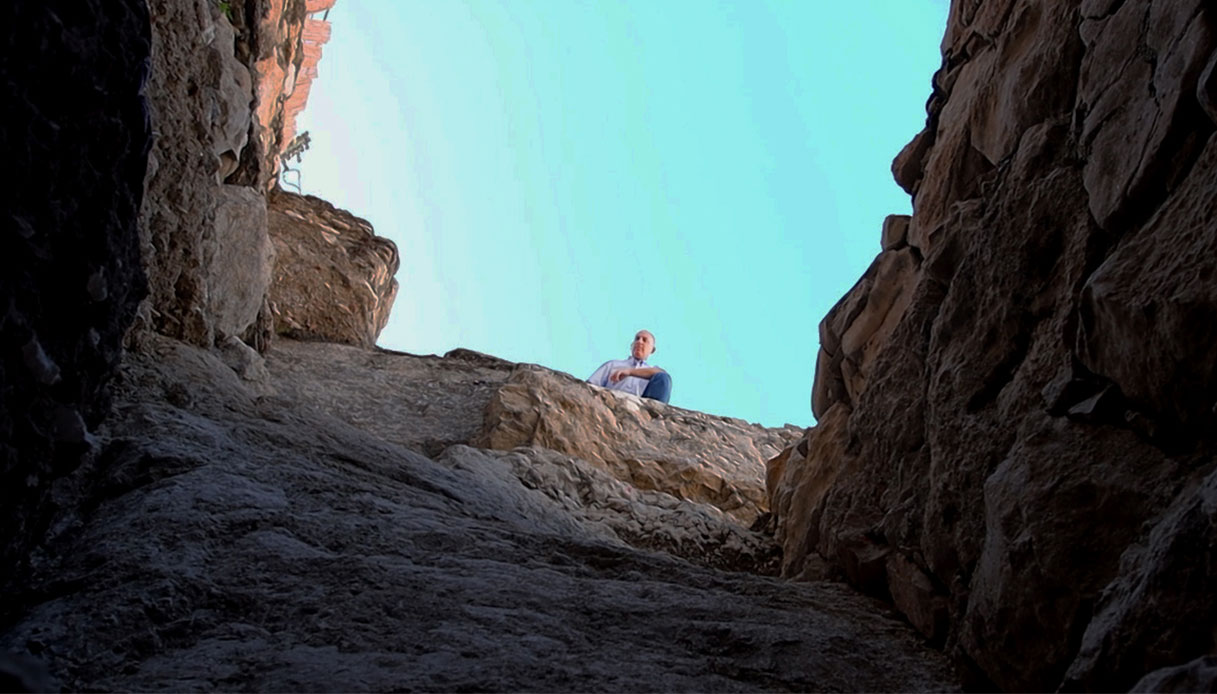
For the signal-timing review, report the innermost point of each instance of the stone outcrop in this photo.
(1016, 401)
(200, 96)
(273, 538)
(333, 277)
(224, 90)
(648, 444)
(75, 138)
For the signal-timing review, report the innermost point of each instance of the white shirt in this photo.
(629, 384)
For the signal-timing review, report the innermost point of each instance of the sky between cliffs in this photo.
(558, 174)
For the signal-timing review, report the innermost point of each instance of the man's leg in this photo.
(659, 387)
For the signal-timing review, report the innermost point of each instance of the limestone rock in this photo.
(216, 99)
(314, 35)
(436, 405)
(652, 446)
(425, 403)
(76, 139)
(230, 116)
(199, 95)
(1014, 458)
(239, 276)
(244, 361)
(1137, 629)
(275, 61)
(859, 325)
(234, 541)
(333, 275)
(621, 513)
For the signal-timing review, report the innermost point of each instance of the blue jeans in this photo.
(659, 387)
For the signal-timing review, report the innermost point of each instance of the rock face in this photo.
(199, 96)
(221, 82)
(333, 277)
(270, 538)
(1016, 408)
(314, 34)
(713, 460)
(76, 136)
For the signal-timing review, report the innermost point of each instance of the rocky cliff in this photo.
(323, 524)
(145, 175)
(333, 276)
(226, 82)
(1016, 402)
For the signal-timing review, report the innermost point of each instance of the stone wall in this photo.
(1016, 401)
(76, 137)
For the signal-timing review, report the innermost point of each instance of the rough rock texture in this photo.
(199, 97)
(333, 275)
(218, 89)
(1016, 410)
(425, 403)
(314, 34)
(234, 540)
(75, 138)
(243, 263)
(276, 54)
(430, 403)
(651, 445)
(1200, 675)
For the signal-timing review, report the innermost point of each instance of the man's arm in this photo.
(640, 372)
(601, 375)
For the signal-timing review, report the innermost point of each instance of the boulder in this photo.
(243, 541)
(653, 446)
(199, 104)
(216, 92)
(333, 277)
(239, 276)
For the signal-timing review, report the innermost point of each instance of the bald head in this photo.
(643, 345)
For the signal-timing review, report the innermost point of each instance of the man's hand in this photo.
(620, 374)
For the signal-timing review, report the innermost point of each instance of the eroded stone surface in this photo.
(239, 277)
(651, 445)
(238, 541)
(426, 403)
(333, 275)
(1033, 417)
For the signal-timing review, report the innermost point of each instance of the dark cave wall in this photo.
(76, 140)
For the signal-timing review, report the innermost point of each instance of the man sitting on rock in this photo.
(633, 375)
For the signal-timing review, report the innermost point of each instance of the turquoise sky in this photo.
(558, 174)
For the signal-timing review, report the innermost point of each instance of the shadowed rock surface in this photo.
(1016, 401)
(230, 540)
(76, 137)
(649, 444)
(1016, 404)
